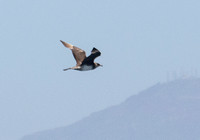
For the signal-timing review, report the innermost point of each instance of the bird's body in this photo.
(87, 67)
(83, 63)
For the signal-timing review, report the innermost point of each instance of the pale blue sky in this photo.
(140, 40)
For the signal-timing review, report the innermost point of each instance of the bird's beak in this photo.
(101, 65)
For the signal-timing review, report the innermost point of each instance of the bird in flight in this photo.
(83, 63)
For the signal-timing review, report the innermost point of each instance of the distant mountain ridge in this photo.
(167, 111)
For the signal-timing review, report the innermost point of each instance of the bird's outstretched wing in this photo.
(90, 59)
(78, 53)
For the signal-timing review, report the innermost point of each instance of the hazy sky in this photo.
(140, 40)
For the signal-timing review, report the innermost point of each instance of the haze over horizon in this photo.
(142, 43)
(164, 111)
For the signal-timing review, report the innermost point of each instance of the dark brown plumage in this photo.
(83, 63)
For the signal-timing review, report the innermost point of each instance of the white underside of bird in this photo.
(86, 67)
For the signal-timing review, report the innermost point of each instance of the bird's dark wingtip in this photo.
(94, 49)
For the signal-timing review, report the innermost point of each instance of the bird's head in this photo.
(97, 65)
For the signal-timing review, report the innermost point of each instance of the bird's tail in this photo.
(67, 69)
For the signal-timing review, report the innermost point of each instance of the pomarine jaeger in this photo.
(83, 63)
